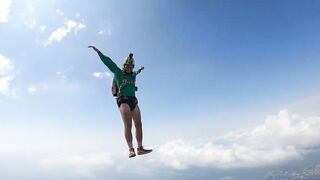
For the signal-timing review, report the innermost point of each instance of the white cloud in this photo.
(280, 138)
(76, 156)
(4, 10)
(42, 28)
(78, 15)
(62, 32)
(63, 73)
(33, 25)
(79, 27)
(107, 32)
(101, 32)
(5, 85)
(5, 65)
(105, 28)
(31, 89)
(29, 16)
(6, 76)
(59, 12)
(57, 35)
(102, 75)
(80, 164)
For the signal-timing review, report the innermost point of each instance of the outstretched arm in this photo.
(94, 48)
(106, 60)
(140, 69)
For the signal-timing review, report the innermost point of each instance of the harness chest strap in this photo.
(124, 82)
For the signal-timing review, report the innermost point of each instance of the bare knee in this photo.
(127, 121)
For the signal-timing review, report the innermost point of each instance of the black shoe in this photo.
(142, 151)
(131, 153)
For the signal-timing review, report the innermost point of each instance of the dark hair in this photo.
(130, 56)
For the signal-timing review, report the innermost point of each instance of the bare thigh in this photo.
(125, 113)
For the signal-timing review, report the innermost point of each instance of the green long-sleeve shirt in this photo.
(129, 88)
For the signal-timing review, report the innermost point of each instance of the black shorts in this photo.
(132, 101)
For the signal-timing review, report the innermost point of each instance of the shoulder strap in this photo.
(123, 83)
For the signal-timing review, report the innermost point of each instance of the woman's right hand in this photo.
(94, 48)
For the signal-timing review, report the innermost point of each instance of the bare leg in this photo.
(137, 122)
(127, 121)
(136, 115)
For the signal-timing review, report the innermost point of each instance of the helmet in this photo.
(129, 60)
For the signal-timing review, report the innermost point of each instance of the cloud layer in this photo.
(6, 76)
(81, 164)
(281, 138)
(4, 10)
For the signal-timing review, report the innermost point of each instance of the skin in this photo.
(127, 115)
(128, 68)
(127, 118)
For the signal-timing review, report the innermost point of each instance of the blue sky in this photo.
(229, 88)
